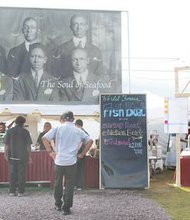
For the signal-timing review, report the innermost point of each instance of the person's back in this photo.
(17, 152)
(18, 142)
(70, 135)
(67, 139)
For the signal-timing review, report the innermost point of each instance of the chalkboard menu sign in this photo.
(124, 157)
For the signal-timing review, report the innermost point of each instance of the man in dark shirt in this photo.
(47, 127)
(17, 152)
(80, 161)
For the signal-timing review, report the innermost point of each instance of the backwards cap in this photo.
(68, 115)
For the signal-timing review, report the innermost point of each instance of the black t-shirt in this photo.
(42, 147)
(83, 145)
(18, 140)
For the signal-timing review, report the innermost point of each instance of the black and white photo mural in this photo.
(56, 56)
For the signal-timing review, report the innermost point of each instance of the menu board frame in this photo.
(123, 141)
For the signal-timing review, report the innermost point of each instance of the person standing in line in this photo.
(18, 57)
(67, 139)
(80, 161)
(61, 63)
(17, 152)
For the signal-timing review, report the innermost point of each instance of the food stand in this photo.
(41, 170)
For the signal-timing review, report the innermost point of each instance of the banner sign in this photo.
(56, 56)
(124, 160)
(176, 115)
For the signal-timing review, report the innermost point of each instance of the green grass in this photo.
(175, 200)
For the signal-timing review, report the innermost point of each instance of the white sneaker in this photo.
(20, 194)
(12, 194)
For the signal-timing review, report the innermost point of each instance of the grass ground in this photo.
(175, 200)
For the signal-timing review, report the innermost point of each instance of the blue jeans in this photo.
(69, 172)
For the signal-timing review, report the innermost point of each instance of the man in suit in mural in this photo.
(2, 59)
(61, 59)
(18, 57)
(6, 88)
(37, 84)
(6, 83)
(82, 85)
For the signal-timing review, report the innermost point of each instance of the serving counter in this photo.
(42, 170)
(91, 172)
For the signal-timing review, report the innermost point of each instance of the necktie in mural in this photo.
(36, 78)
(80, 90)
(80, 44)
(81, 83)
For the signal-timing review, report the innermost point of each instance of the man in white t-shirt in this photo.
(67, 139)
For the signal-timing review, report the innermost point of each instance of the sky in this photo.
(156, 35)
